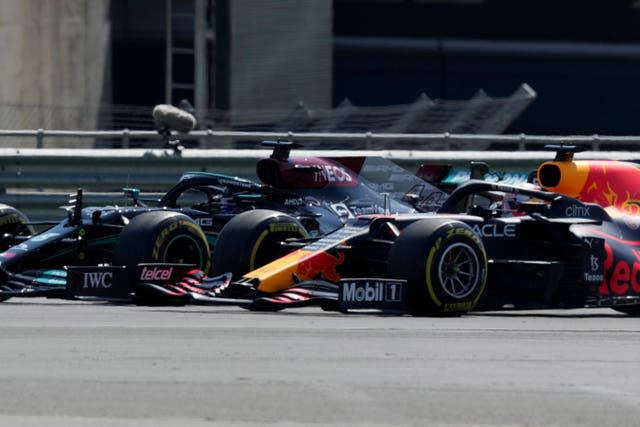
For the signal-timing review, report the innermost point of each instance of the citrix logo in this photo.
(577, 211)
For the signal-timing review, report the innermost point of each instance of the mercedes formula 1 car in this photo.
(319, 194)
(573, 240)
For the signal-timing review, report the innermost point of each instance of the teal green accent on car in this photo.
(53, 278)
(55, 273)
(217, 175)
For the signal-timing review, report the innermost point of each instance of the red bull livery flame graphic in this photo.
(611, 184)
(607, 183)
(320, 264)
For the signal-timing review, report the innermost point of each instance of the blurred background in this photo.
(493, 66)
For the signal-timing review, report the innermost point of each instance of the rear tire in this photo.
(251, 239)
(163, 237)
(444, 263)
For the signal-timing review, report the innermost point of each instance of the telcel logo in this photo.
(156, 273)
(97, 280)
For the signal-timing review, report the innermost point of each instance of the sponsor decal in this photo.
(155, 274)
(495, 230)
(577, 211)
(371, 293)
(331, 173)
(233, 182)
(366, 210)
(341, 210)
(295, 202)
(106, 282)
(320, 264)
(97, 279)
(620, 275)
(594, 272)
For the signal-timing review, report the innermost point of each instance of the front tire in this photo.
(252, 239)
(444, 263)
(163, 237)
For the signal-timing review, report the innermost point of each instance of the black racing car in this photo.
(305, 197)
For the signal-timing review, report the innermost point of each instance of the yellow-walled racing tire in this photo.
(165, 237)
(444, 263)
(252, 239)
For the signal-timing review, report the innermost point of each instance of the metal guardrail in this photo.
(368, 140)
(38, 181)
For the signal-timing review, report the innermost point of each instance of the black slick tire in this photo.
(252, 239)
(163, 237)
(444, 263)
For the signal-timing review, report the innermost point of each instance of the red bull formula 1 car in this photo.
(571, 241)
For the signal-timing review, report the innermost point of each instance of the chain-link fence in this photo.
(479, 114)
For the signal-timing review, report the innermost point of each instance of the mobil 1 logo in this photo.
(371, 293)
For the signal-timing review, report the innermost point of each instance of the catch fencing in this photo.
(212, 139)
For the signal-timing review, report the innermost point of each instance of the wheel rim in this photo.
(183, 250)
(458, 270)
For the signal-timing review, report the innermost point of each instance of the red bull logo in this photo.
(622, 276)
(612, 184)
(319, 264)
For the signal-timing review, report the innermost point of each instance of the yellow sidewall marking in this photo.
(254, 251)
(429, 265)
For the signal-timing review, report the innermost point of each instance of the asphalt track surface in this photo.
(65, 363)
